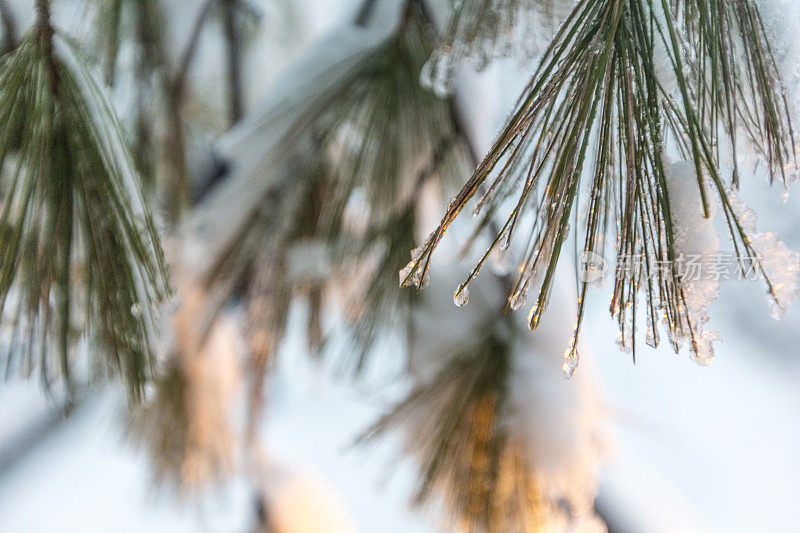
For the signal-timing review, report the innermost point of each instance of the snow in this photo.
(695, 239)
(780, 265)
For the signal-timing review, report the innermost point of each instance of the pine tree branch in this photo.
(9, 25)
(178, 84)
(110, 74)
(177, 196)
(45, 30)
(365, 12)
(234, 53)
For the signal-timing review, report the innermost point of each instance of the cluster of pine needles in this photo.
(80, 254)
(454, 429)
(623, 82)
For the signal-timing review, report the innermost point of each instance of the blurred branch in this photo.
(9, 25)
(189, 53)
(177, 188)
(365, 12)
(113, 41)
(234, 49)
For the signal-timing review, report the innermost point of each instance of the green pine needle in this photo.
(79, 249)
(380, 124)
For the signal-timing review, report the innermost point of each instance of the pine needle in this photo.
(453, 428)
(482, 30)
(79, 249)
(599, 97)
(183, 427)
(380, 126)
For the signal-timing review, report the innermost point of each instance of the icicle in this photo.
(504, 241)
(571, 357)
(536, 314)
(651, 335)
(695, 239)
(499, 262)
(703, 348)
(624, 338)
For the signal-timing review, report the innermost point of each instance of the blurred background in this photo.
(689, 448)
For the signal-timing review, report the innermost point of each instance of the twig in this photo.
(365, 12)
(113, 42)
(179, 79)
(234, 59)
(9, 25)
(45, 29)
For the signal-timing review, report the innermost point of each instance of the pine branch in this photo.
(482, 30)
(183, 427)
(234, 66)
(9, 25)
(454, 429)
(79, 249)
(365, 12)
(111, 18)
(599, 95)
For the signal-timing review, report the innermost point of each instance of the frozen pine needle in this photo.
(479, 31)
(615, 90)
(380, 128)
(79, 250)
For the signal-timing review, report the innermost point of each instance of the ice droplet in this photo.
(517, 300)
(504, 241)
(461, 296)
(571, 361)
(136, 309)
(404, 272)
(571, 357)
(649, 337)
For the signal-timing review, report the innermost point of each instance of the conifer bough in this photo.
(622, 83)
(78, 246)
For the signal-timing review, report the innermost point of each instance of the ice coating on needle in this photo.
(697, 249)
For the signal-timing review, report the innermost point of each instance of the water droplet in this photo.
(461, 296)
(136, 309)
